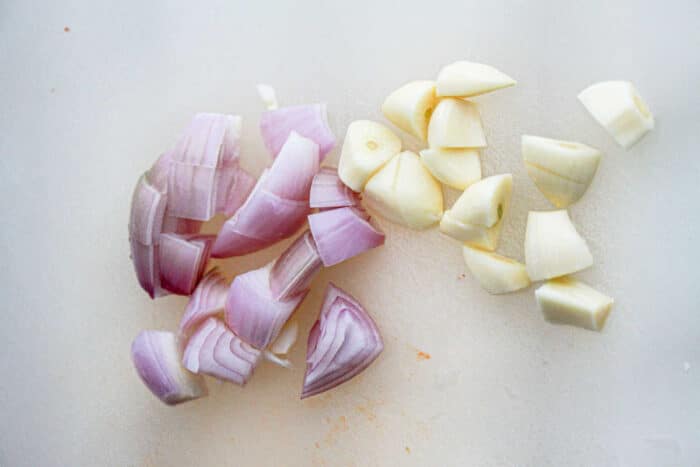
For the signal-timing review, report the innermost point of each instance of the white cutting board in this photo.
(84, 112)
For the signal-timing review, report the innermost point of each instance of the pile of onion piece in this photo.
(228, 328)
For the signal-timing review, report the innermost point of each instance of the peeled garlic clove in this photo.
(410, 107)
(404, 192)
(553, 247)
(458, 168)
(465, 79)
(568, 301)
(497, 274)
(367, 147)
(380, 192)
(617, 106)
(485, 202)
(456, 123)
(475, 235)
(475, 217)
(562, 170)
(420, 195)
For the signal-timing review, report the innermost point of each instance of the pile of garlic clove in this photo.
(404, 187)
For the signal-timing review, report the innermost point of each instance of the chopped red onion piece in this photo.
(294, 270)
(251, 311)
(328, 191)
(182, 259)
(342, 343)
(309, 120)
(343, 233)
(148, 206)
(157, 361)
(208, 147)
(207, 300)
(277, 206)
(216, 351)
(236, 195)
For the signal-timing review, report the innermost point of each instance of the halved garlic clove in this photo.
(497, 274)
(367, 147)
(553, 247)
(475, 218)
(617, 106)
(456, 123)
(562, 170)
(465, 79)
(420, 195)
(380, 192)
(568, 301)
(404, 192)
(458, 167)
(410, 106)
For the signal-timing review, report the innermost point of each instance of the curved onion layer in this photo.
(278, 205)
(329, 191)
(207, 300)
(157, 361)
(216, 351)
(342, 343)
(182, 259)
(309, 120)
(343, 233)
(203, 166)
(294, 270)
(251, 311)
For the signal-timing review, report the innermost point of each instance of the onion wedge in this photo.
(277, 206)
(342, 343)
(207, 300)
(294, 270)
(252, 312)
(343, 233)
(157, 361)
(216, 351)
(329, 191)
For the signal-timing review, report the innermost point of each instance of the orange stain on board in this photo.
(66, 29)
(408, 450)
(423, 355)
(337, 427)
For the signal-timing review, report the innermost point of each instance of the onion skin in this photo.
(342, 343)
(157, 360)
